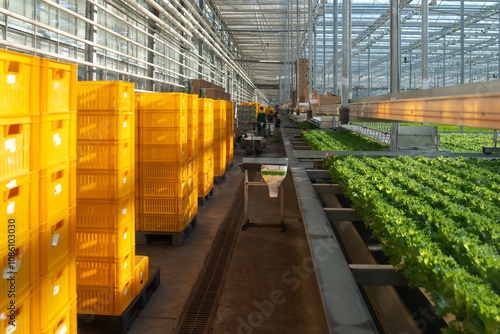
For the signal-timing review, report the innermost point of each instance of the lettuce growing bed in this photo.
(439, 222)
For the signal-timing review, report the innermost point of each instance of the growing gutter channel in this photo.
(357, 292)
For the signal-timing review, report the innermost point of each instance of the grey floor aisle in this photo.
(270, 285)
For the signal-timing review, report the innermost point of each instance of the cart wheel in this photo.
(244, 227)
(283, 229)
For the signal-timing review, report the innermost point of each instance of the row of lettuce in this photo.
(438, 220)
(350, 141)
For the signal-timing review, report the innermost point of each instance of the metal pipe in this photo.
(310, 37)
(444, 61)
(324, 48)
(346, 53)
(424, 83)
(462, 42)
(335, 43)
(297, 70)
(369, 74)
(395, 47)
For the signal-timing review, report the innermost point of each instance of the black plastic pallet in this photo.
(178, 238)
(229, 166)
(202, 200)
(220, 179)
(121, 324)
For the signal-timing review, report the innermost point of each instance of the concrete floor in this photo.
(270, 286)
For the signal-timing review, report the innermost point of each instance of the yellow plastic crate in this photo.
(141, 273)
(163, 188)
(25, 263)
(163, 136)
(163, 153)
(24, 313)
(163, 119)
(193, 202)
(105, 184)
(57, 86)
(18, 205)
(15, 146)
(55, 142)
(103, 243)
(108, 300)
(192, 110)
(107, 155)
(105, 95)
(115, 125)
(57, 241)
(64, 322)
(105, 214)
(162, 101)
(19, 84)
(192, 148)
(57, 290)
(107, 271)
(164, 205)
(54, 191)
(168, 171)
(163, 222)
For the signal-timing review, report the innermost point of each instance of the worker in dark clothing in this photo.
(261, 122)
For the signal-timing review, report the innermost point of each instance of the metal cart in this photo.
(274, 172)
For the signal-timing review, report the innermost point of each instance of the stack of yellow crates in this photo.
(19, 182)
(220, 134)
(105, 178)
(163, 162)
(193, 142)
(230, 132)
(205, 147)
(57, 196)
(37, 205)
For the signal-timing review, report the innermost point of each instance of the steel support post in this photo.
(346, 53)
(462, 42)
(324, 48)
(310, 44)
(335, 44)
(298, 58)
(395, 48)
(424, 82)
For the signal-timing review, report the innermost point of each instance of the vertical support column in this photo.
(424, 82)
(394, 136)
(411, 74)
(298, 57)
(346, 61)
(314, 81)
(90, 13)
(151, 56)
(462, 42)
(346, 53)
(395, 48)
(324, 48)
(471, 78)
(310, 44)
(444, 61)
(335, 42)
(369, 73)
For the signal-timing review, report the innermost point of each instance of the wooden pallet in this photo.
(178, 238)
(121, 324)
